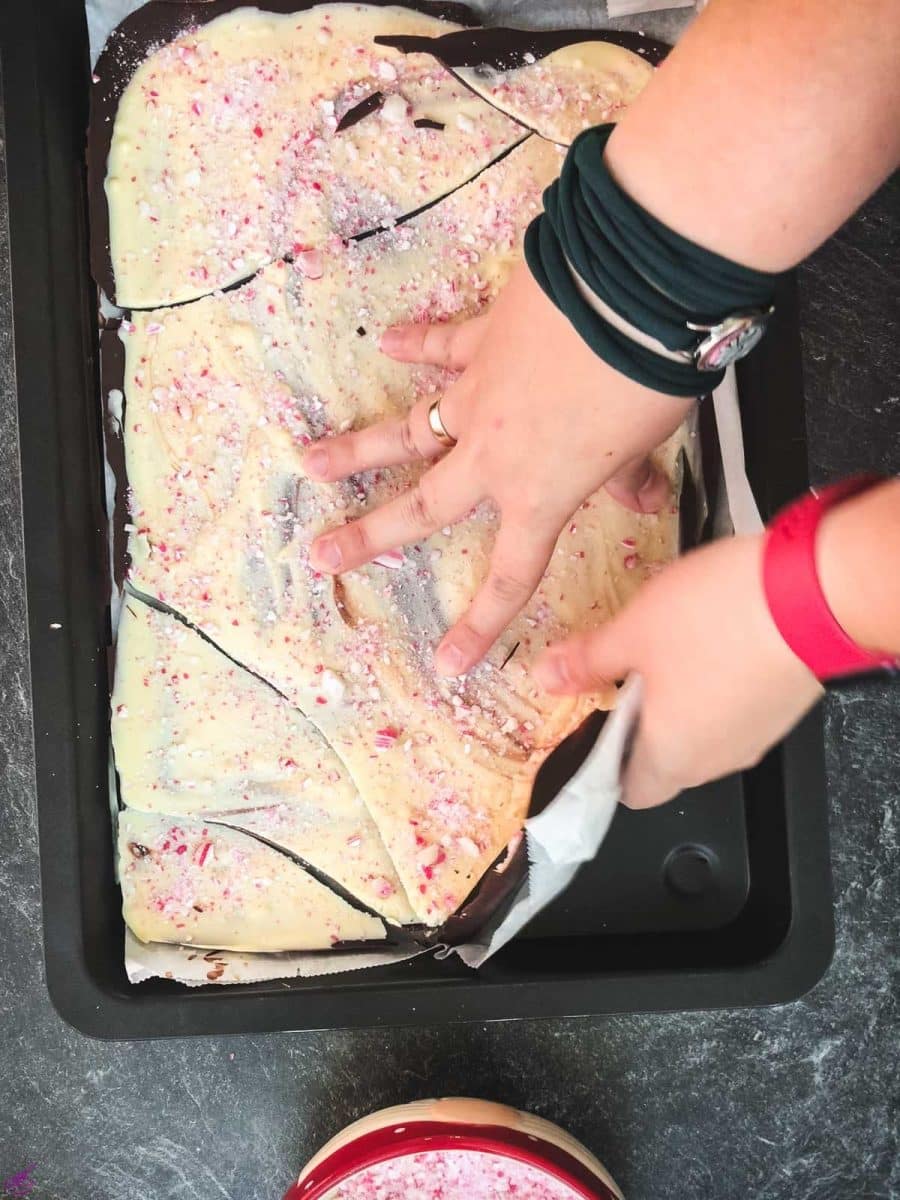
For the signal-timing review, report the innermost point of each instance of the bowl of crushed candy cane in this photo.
(453, 1149)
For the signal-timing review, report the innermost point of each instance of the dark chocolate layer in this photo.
(496, 891)
(503, 49)
(355, 114)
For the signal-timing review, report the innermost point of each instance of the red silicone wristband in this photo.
(794, 594)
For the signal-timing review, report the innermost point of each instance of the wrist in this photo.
(658, 307)
(857, 557)
(797, 599)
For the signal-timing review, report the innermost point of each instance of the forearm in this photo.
(858, 559)
(767, 126)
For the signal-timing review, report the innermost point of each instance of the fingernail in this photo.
(552, 673)
(327, 552)
(391, 340)
(449, 659)
(315, 462)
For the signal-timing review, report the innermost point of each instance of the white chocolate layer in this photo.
(568, 91)
(225, 152)
(196, 735)
(400, 785)
(222, 397)
(195, 883)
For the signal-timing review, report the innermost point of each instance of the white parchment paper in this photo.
(198, 968)
(568, 833)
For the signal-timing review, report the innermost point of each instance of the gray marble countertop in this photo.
(790, 1103)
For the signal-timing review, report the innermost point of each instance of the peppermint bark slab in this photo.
(555, 81)
(195, 883)
(222, 396)
(196, 735)
(227, 150)
(573, 88)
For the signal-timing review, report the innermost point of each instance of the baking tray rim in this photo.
(41, 223)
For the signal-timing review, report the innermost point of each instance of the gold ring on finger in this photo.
(437, 426)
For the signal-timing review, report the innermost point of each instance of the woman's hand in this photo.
(720, 684)
(540, 424)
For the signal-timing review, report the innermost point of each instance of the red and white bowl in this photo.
(449, 1138)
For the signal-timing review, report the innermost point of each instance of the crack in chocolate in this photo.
(509, 656)
(316, 873)
(423, 208)
(161, 606)
(496, 50)
(339, 598)
(129, 44)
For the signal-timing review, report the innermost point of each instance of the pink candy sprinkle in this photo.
(393, 559)
(203, 851)
(628, 543)
(153, 327)
(311, 264)
(452, 1175)
(386, 738)
(631, 561)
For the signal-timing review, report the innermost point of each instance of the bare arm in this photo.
(767, 126)
(760, 134)
(720, 683)
(858, 557)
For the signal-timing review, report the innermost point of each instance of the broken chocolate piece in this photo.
(355, 114)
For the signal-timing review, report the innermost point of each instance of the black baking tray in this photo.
(720, 898)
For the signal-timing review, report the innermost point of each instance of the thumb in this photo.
(584, 662)
(646, 783)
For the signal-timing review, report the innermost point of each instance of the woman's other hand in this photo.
(720, 684)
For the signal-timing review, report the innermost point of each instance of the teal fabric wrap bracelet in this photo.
(653, 278)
